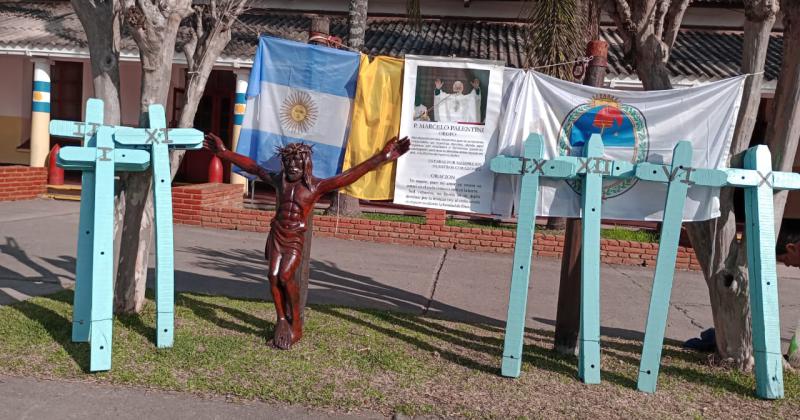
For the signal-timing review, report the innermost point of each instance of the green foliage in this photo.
(414, 13)
(480, 224)
(555, 35)
(623, 234)
(394, 218)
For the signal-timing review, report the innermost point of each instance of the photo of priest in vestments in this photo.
(456, 106)
(451, 95)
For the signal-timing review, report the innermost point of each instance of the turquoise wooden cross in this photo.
(159, 139)
(677, 176)
(94, 288)
(531, 166)
(593, 168)
(757, 179)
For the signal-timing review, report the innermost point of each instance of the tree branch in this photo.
(622, 14)
(672, 23)
(660, 11)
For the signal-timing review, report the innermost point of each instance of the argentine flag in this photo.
(299, 93)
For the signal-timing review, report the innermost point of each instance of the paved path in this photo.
(37, 256)
(24, 398)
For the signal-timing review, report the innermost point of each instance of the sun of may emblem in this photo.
(298, 112)
(622, 127)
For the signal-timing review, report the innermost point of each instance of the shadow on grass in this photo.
(458, 347)
(57, 326)
(387, 307)
(458, 343)
(249, 324)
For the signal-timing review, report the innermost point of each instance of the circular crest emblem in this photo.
(298, 112)
(622, 127)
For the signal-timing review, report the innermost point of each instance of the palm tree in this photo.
(343, 204)
(556, 34)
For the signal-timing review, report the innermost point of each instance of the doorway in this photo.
(214, 115)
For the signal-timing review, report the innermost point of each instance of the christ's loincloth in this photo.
(285, 240)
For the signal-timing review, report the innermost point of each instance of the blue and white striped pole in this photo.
(40, 113)
(242, 76)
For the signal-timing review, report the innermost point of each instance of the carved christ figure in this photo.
(297, 190)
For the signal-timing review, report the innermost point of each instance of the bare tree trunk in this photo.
(592, 12)
(784, 132)
(154, 28)
(357, 22)
(101, 23)
(649, 29)
(341, 203)
(210, 34)
(722, 257)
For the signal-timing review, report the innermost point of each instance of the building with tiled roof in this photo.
(52, 28)
(47, 37)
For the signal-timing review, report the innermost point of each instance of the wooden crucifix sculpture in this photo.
(297, 191)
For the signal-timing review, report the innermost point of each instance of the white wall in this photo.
(13, 88)
(16, 89)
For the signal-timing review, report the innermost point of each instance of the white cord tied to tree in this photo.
(583, 60)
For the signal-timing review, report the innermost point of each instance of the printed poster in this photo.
(450, 110)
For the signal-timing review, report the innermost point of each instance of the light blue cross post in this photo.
(593, 167)
(759, 182)
(94, 295)
(760, 235)
(531, 167)
(591, 204)
(678, 178)
(158, 139)
(83, 270)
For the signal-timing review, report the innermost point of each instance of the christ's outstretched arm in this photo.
(215, 145)
(393, 149)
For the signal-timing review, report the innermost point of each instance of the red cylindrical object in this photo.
(55, 174)
(215, 170)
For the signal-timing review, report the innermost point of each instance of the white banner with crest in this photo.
(637, 126)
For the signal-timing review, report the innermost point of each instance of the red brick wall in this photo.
(22, 182)
(188, 201)
(213, 208)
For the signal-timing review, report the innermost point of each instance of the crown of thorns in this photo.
(294, 149)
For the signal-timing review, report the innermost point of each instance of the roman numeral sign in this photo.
(99, 158)
(531, 166)
(757, 179)
(92, 317)
(158, 140)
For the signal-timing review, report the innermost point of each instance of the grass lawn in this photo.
(355, 359)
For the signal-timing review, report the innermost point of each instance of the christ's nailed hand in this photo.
(213, 144)
(438, 83)
(396, 148)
